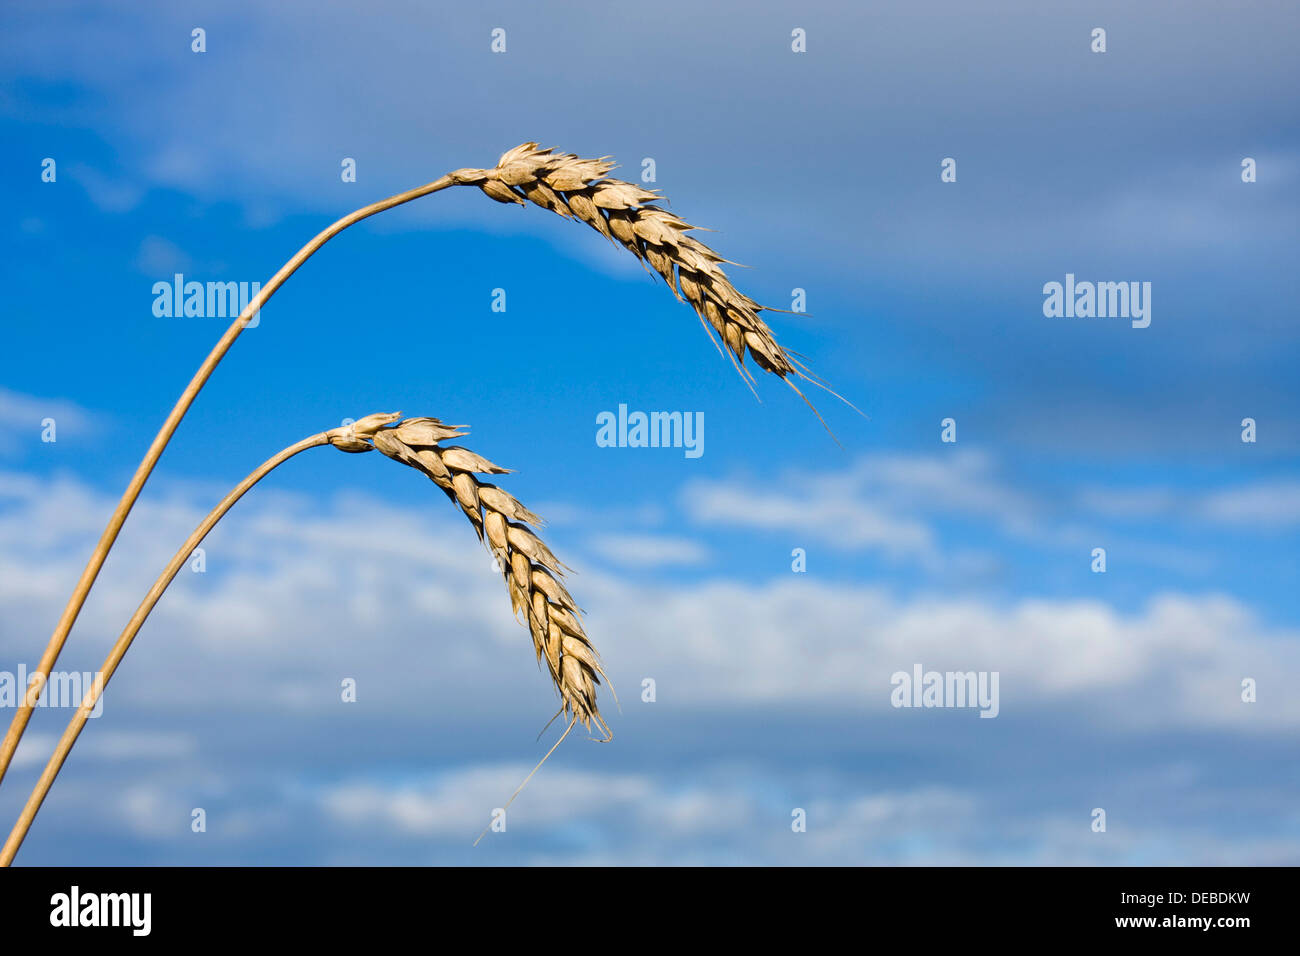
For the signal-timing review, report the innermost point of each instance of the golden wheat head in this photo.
(625, 213)
(532, 572)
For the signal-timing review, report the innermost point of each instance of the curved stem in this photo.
(73, 608)
(128, 635)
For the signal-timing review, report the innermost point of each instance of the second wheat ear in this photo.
(532, 574)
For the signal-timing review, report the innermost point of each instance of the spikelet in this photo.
(533, 574)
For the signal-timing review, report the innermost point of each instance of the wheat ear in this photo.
(531, 571)
(533, 575)
(626, 213)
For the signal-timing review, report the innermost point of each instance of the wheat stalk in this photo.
(77, 600)
(573, 187)
(531, 572)
(119, 649)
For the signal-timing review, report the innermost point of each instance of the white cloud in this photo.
(1178, 661)
(1128, 502)
(104, 744)
(22, 417)
(735, 815)
(882, 503)
(801, 512)
(119, 745)
(297, 598)
(34, 749)
(161, 258)
(461, 802)
(1252, 507)
(299, 595)
(635, 819)
(106, 192)
(1266, 505)
(648, 551)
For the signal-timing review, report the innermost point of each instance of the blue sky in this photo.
(818, 171)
